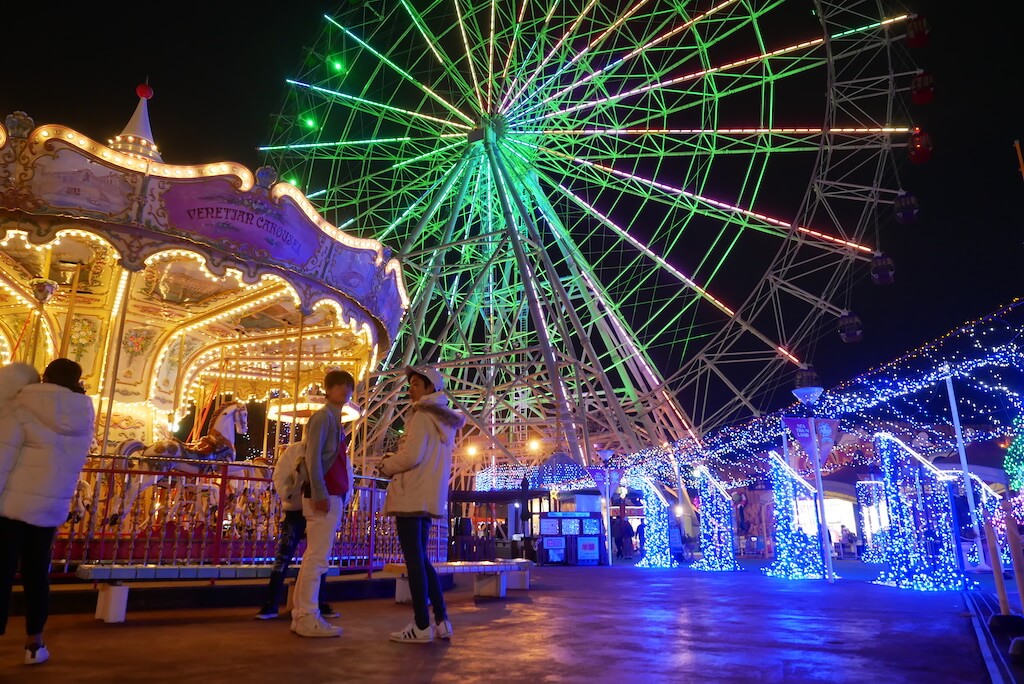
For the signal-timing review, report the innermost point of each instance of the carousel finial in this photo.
(137, 137)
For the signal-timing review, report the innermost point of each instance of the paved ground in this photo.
(620, 624)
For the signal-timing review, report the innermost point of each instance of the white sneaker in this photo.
(312, 625)
(37, 655)
(443, 629)
(414, 635)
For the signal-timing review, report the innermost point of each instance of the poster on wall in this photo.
(587, 550)
(591, 526)
(571, 526)
(548, 526)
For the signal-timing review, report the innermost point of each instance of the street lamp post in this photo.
(808, 396)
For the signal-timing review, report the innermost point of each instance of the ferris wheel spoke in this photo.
(411, 117)
(642, 248)
(469, 56)
(434, 44)
(631, 55)
(557, 46)
(610, 30)
(807, 46)
(516, 31)
(330, 150)
(745, 80)
(744, 218)
(728, 140)
(402, 72)
(534, 46)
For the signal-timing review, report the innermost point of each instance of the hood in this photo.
(447, 419)
(13, 377)
(58, 408)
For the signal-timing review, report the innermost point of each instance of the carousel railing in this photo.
(129, 511)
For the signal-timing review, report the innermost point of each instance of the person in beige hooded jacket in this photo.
(46, 430)
(418, 492)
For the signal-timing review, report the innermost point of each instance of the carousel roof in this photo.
(215, 278)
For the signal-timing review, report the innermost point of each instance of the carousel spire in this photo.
(137, 136)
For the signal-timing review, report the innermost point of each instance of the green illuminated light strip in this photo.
(561, 41)
(402, 72)
(352, 143)
(379, 105)
(469, 56)
(699, 198)
(640, 50)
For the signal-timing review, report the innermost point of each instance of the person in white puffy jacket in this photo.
(46, 430)
(418, 492)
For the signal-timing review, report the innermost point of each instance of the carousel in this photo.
(172, 285)
(186, 292)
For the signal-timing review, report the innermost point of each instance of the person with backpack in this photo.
(291, 531)
(327, 471)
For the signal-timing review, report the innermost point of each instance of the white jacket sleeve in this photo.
(12, 436)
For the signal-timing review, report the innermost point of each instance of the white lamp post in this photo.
(808, 396)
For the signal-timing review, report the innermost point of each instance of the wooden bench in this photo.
(112, 599)
(491, 578)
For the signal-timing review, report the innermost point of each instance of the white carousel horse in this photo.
(249, 504)
(81, 502)
(170, 455)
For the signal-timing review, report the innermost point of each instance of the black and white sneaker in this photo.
(266, 613)
(36, 654)
(327, 611)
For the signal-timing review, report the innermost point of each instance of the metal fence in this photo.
(158, 513)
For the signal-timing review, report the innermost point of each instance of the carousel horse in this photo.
(81, 501)
(171, 456)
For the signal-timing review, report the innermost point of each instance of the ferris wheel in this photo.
(620, 223)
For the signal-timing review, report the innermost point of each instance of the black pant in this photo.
(33, 546)
(291, 532)
(413, 535)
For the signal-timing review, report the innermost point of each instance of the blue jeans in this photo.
(291, 531)
(413, 534)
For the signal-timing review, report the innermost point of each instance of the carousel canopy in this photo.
(172, 283)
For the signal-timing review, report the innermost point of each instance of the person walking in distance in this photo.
(46, 429)
(418, 493)
(328, 487)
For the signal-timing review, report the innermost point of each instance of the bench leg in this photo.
(519, 579)
(402, 593)
(112, 603)
(490, 584)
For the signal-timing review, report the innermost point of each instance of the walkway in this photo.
(619, 624)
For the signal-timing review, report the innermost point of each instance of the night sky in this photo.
(219, 72)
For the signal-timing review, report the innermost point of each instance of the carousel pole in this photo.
(177, 377)
(115, 340)
(298, 378)
(43, 291)
(65, 338)
(280, 399)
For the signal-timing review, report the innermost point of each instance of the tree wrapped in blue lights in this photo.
(797, 551)
(1013, 462)
(717, 530)
(874, 519)
(920, 548)
(656, 521)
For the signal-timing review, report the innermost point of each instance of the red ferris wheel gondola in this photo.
(920, 147)
(922, 88)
